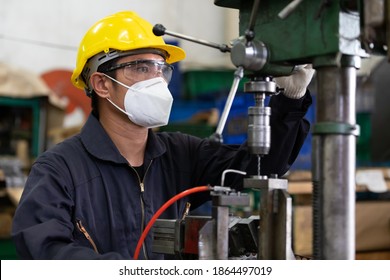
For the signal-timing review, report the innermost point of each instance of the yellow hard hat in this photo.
(114, 36)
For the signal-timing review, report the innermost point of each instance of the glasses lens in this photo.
(141, 70)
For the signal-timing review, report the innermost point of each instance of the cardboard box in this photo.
(372, 225)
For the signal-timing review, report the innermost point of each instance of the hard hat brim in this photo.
(175, 53)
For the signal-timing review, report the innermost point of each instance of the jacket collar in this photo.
(97, 142)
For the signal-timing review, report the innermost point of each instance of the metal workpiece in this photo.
(334, 157)
(220, 220)
(275, 232)
(263, 182)
(233, 199)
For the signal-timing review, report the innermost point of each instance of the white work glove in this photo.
(295, 85)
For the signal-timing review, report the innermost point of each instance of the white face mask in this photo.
(147, 103)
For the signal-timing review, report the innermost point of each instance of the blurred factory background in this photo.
(40, 107)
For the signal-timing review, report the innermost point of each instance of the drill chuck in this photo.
(259, 130)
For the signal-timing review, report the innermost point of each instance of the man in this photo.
(91, 196)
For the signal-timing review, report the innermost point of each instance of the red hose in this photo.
(161, 210)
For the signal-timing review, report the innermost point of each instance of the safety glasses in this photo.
(140, 70)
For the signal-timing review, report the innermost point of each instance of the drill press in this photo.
(248, 54)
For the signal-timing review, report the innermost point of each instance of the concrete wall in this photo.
(41, 35)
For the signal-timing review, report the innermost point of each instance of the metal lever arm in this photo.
(249, 33)
(160, 30)
(238, 75)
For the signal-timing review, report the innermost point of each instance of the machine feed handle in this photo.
(238, 75)
(160, 30)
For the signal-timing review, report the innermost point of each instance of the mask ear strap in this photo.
(116, 106)
(109, 100)
(111, 78)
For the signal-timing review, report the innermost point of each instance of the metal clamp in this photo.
(336, 128)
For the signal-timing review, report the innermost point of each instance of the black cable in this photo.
(38, 43)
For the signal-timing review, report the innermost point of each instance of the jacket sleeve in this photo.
(289, 130)
(42, 225)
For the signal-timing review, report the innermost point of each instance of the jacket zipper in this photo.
(142, 188)
(86, 234)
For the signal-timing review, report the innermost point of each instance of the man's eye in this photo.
(142, 69)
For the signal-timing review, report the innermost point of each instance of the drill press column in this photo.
(334, 156)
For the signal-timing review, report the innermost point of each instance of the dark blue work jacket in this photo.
(82, 200)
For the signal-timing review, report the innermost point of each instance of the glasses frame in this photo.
(135, 62)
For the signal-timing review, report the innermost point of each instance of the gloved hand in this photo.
(295, 85)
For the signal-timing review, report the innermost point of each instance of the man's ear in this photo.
(100, 84)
